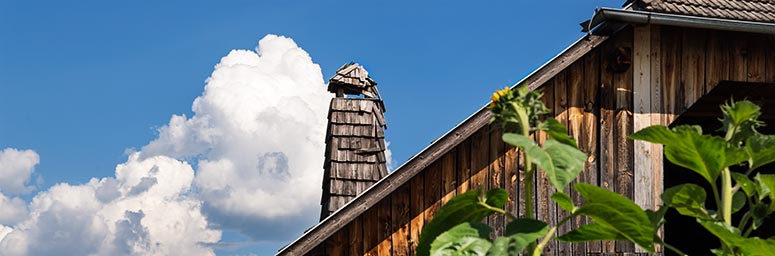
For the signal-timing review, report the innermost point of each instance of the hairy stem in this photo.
(726, 196)
(540, 248)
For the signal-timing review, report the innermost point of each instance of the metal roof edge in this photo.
(680, 20)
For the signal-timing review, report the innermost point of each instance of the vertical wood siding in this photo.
(671, 68)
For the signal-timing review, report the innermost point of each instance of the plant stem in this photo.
(675, 250)
(537, 251)
(714, 188)
(745, 219)
(498, 210)
(524, 123)
(726, 196)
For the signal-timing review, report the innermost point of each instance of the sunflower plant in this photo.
(457, 228)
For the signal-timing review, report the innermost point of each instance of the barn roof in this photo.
(750, 10)
(480, 118)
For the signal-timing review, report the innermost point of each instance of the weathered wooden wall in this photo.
(671, 68)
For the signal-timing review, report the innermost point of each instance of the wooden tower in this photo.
(355, 144)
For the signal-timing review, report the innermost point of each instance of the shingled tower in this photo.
(355, 140)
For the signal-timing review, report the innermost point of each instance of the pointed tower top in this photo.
(353, 79)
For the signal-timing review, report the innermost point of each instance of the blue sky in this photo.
(85, 83)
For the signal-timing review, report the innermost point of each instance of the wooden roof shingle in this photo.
(749, 10)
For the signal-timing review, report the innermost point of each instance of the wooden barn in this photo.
(651, 62)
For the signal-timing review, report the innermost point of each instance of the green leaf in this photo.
(761, 148)
(562, 163)
(462, 208)
(703, 154)
(469, 238)
(726, 233)
(731, 237)
(617, 212)
(657, 217)
(525, 231)
(755, 246)
(568, 163)
(765, 185)
(502, 246)
(759, 213)
(688, 199)
(564, 201)
(655, 134)
(745, 183)
(738, 201)
(685, 146)
(743, 117)
(496, 197)
(591, 232)
(557, 131)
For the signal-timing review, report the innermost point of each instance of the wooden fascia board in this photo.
(434, 151)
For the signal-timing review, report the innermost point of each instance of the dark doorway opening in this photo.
(684, 232)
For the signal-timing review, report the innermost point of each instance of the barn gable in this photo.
(625, 75)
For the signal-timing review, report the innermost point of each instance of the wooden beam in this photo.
(562, 61)
(656, 118)
(643, 188)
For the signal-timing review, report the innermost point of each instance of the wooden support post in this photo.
(643, 169)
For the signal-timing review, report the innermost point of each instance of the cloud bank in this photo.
(249, 159)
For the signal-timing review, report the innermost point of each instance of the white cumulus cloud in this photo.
(256, 138)
(258, 134)
(16, 168)
(125, 215)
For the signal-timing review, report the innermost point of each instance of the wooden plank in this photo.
(622, 83)
(496, 175)
(417, 209)
(717, 66)
(400, 212)
(463, 167)
(738, 60)
(371, 230)
(561, 113)
(588, 138)
(575, 129)
(692, 66)
(480, 145)
(642, 87)
(671, 68)
(432, 193)
(355, 239)
(757, 57)
(769, 62)
(384, 227)
(563, 60)
(337, 243)
(545, 207)
(656, 117)
(606, 153)
(448, 177)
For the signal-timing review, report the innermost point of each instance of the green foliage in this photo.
(687, 199)
(561, 162)
(457, 227)
(684, 146)
(468, 238)
(616, 213)
(470, 206)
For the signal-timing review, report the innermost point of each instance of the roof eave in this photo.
(643, 17)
